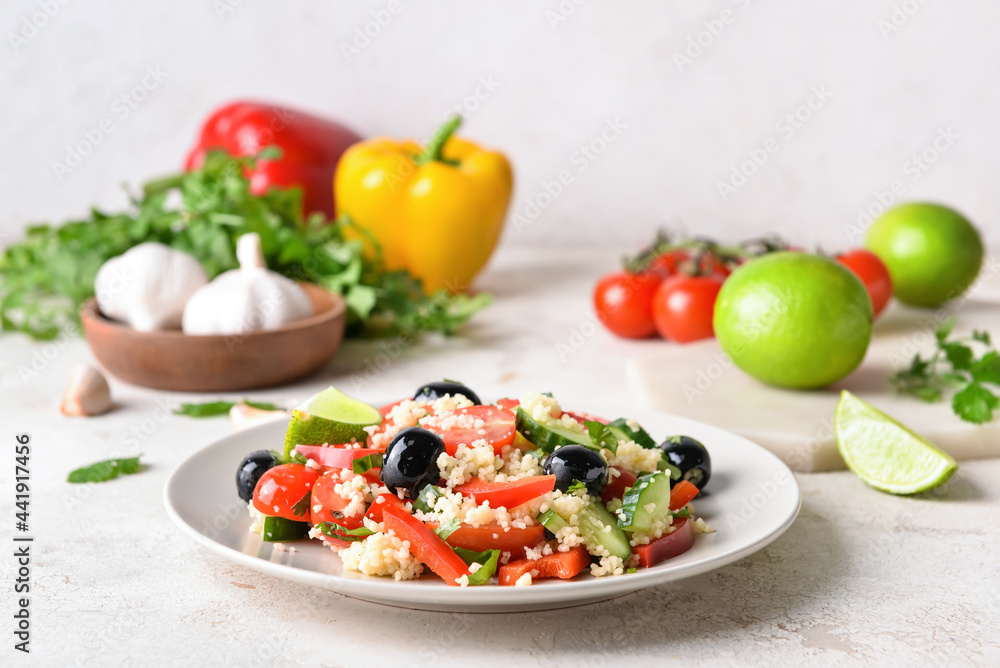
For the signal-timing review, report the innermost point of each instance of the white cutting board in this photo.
(698, 381)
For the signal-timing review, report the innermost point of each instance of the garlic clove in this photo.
(244, 417)
(87, 394)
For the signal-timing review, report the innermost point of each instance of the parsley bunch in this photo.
(955, 366)
(45, 278)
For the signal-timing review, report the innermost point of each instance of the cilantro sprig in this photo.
(954, 366)
(46, 277)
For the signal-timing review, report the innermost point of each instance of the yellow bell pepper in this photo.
(436, 211)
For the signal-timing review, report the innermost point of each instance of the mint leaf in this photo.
(448, 528)
(488, 561)
(577, 486)
(106, 470)
(982, 337)
(944, 331)
(601, 436)
(426, 499)
(207, 409)
(262, 405)
(334, 530)
(975, 404)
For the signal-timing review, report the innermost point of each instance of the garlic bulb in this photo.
(243, 417)
(247, 299)
(87, 394)
(147, 286)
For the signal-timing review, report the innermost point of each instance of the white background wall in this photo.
(896, 75)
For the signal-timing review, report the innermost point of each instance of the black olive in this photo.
(410, 460)
(251, 469)
(691, 457)
(572, 463)
(432, 391)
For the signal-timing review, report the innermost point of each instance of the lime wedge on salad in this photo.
(884, 453)
(329, 417)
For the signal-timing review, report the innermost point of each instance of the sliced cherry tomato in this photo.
(683, 307)
(585, 417)
(457, 427)
(425, 545)
(281, 488)
(328, 506)
(333, 456)
(618, 485)
(563, 565)
(624, 303)
(868, 267)
(509, 404)
(493, 537)
(507, 494)
(682, 494)
(674, 543)
(376, 510)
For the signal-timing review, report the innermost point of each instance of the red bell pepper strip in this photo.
(563, 565)
(425, 545)
(493, 537)
(677, 542)
(618, 485)
(681, 494)
(332, 456)
(507, 494)
(376, 510)
(311, 147)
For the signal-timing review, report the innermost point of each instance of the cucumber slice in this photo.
(599, 527)
(280, 530)
(652, 488)
(624, 432)
(547, 437)
(551, 521)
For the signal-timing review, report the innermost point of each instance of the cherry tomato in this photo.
(868, 267)
(509, 404)
(624, 303)
(507, 494)
(457, 427)
(709, 264)
(282, 488)
(666, 264)
(328, 506)
(684, 305)
(677, 542)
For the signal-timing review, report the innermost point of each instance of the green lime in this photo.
(933, 252)
(884, 453)
(329, 417)
(794, 319)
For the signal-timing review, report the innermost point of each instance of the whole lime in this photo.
(933, 252)
(794, 319)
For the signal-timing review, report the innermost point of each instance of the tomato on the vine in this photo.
(624, 303)
(868, 267)
(684, 305)
(667, 264)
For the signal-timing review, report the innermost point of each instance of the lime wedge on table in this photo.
(329, 417)
(884, 453)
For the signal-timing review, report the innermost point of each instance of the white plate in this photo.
(752, 499)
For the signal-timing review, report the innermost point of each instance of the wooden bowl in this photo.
(172, 360)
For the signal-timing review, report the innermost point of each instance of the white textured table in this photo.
(860, 578)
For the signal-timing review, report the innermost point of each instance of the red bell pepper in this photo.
(682, 494)
(563, 565)
(425, 545)
(507, 494)
(311, 147)
(618, 485)
(677, 542)
(493, 537)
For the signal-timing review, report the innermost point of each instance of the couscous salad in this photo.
(475, 493)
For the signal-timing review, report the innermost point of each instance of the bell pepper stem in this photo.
(432, 151)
